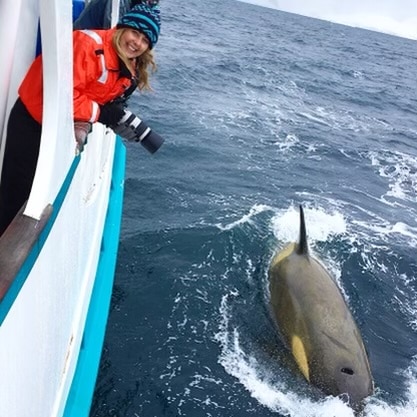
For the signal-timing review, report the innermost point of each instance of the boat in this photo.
(58, 256)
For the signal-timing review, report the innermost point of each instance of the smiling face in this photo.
(133, 43)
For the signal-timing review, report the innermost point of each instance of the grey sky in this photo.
(397, 17)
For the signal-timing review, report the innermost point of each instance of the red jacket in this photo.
(97, 76)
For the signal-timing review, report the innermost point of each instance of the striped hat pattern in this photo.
(144, 18)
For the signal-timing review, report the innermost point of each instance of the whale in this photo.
(316, 324)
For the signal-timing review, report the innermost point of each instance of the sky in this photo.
(396, 17)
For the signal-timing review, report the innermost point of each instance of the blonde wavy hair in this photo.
(141, 67)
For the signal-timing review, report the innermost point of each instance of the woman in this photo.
(108, 66)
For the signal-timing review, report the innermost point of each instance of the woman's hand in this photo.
(111, 114)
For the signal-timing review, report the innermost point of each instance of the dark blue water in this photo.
(263, 110)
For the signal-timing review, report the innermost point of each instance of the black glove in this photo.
(111, 113)
(131, 127)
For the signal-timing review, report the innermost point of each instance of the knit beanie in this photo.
(144, 18)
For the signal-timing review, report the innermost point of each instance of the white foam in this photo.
(381, 230)
(407, 300)
(400, 170)
(320, 224)
(288, 142)
(246, 218)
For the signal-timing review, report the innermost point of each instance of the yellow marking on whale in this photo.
(300, 356)
(283, 254)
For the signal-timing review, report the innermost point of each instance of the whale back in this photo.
(316, 324)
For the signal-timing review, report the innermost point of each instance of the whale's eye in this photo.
(347, 371)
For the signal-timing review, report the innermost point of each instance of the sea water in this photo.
(262, 111)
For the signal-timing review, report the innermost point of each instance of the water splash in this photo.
(246, 218)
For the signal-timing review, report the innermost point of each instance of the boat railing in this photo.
(58, 153)
(57, 143)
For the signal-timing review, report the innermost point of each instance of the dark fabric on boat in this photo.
(19, 163)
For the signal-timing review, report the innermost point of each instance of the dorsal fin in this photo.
(302, 248)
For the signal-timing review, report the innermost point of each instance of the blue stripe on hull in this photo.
(82, 388)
